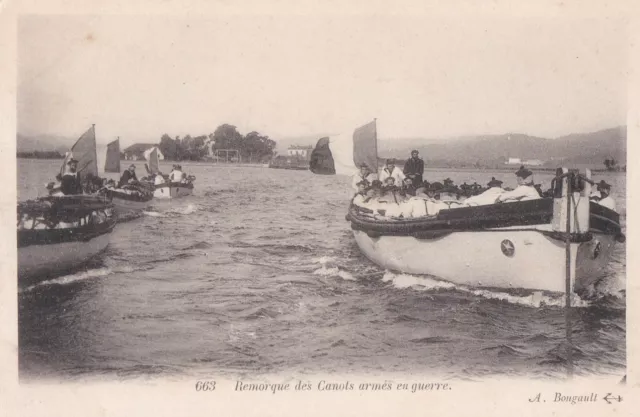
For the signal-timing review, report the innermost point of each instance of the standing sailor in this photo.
(364, 174)
(391, 170)
(525, 189)
(414, 168)
(605, 198)
(70, 181)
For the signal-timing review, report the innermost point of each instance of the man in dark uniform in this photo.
(414, 168)
(70, 181)
(128, 176)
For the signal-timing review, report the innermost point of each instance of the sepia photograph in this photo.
(208, 197)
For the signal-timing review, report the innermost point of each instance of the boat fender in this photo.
(373, 235)
(621, 238)
(347, 217)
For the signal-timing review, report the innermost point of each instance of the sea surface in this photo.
(257, 273)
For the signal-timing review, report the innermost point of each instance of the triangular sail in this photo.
(365, 146)
(342, 154)
(84, 151)
(112, 164)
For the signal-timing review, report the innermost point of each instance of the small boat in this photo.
(538, 244)
(163, 187)
(57, 234)
(173, 189)
(128, 199)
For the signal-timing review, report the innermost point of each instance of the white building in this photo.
(303, 151)
(514, 161)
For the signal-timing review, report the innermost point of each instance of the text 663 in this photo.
(206, 386)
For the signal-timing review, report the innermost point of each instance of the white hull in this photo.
(127, 206)
(173, 191)
(37, 262)
(477, 259)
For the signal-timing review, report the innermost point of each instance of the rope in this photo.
(568, 289)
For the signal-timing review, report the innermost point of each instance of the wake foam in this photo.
(536, 300)
(329, 271)
(68, 279)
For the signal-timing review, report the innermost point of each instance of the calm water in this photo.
(258, 272)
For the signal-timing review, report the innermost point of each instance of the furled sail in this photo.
(342, 154)
(112, 164)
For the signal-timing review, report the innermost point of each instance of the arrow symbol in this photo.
(609, 397)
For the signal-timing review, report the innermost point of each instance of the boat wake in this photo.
(68, 279)
(328, 271)
(536, 300)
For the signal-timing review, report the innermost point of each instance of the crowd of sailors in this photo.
(403, 193)
(71, 182)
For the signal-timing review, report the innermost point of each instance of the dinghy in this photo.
(57, 234)
(163, 187)
(128, 199)
(536, 244)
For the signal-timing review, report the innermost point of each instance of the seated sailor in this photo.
(364, 174)
(524, 191)
(408, 187)
(391, 170)
(603, 196)
(390, 193)
(128, 177)
(361, 195)
(487, 197)
(70, 182)
(176, 174)
(158, 179)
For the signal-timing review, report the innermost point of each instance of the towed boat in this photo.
(57, 234)
(563, 242)
(173, 189)
(130, 198)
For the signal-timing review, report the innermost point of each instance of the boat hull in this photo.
(479, 258)
(40, 262)
(173, 190)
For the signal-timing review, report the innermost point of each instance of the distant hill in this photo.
(43, 143)
(493, 150)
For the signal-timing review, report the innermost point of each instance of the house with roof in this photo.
(301, 151)
(139, 151)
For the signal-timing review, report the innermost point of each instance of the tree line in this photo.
(40, 155)
(251, 147)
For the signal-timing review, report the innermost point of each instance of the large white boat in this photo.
(57, 234)
(508, 245)
(537, 244)
(173, 190)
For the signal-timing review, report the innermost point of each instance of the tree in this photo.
(610, 164)
(226, 137)
(168, 147)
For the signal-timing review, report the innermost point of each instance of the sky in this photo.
(138, 77)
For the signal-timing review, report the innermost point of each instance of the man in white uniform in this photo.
(524, 191)
(391, 170)
(487, 197)
(605, 199)
(176, 174)
(364, 174)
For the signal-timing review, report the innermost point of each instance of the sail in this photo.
(84, 151)
(112, 164)
(365, 146)
(154, 163)
(341, 154)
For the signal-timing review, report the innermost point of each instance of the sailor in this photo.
(524, 191)
(408, 189)
(364, 174)
(414, 167)
(176, 174)
(487, 197)
(70, 181)
(391, 170)
(359, 198)
(605, 198)
(128, 176)
(158, 178)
